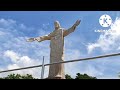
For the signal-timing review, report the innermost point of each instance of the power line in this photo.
(82, 59)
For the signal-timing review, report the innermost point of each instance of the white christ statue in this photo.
(56, 38)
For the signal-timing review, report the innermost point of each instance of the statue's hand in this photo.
(30, 40)
(77, 22)
(39, 39)
(34, 39)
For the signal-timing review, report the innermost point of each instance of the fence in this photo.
(43, 65)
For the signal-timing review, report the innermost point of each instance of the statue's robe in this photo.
(57, 51)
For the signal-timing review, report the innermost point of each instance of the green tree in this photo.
(84, 76)
(68, 76)
(80, 76)
(18, 76)
(28, 76)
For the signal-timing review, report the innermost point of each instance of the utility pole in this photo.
(42, 70)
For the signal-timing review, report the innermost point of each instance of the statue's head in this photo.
(57, 24)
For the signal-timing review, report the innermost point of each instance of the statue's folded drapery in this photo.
(57, 49)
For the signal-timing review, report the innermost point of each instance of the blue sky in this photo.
(17, 26)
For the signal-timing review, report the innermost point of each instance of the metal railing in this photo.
(76, 60)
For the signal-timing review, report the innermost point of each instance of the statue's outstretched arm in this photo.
(72, 29)
(39, 39)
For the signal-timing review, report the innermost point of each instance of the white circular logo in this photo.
(105, 20)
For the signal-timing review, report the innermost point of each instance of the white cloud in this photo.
(2, 33)
(24, 61)
(87, 67)
(72, 68)
(22, 26)
(84, 67)
(7, 23)
(109, 77)
(71, 54)
(16, 52)
(91, 70)
(92, 46)
(118, 48)
(108, 41)
(13, 66)
(12, 55)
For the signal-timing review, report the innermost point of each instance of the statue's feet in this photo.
(56, 77)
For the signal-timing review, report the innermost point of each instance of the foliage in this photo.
(84, 76)
(68, 76)
(80, 76)
(28, 76)
(18, 76)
